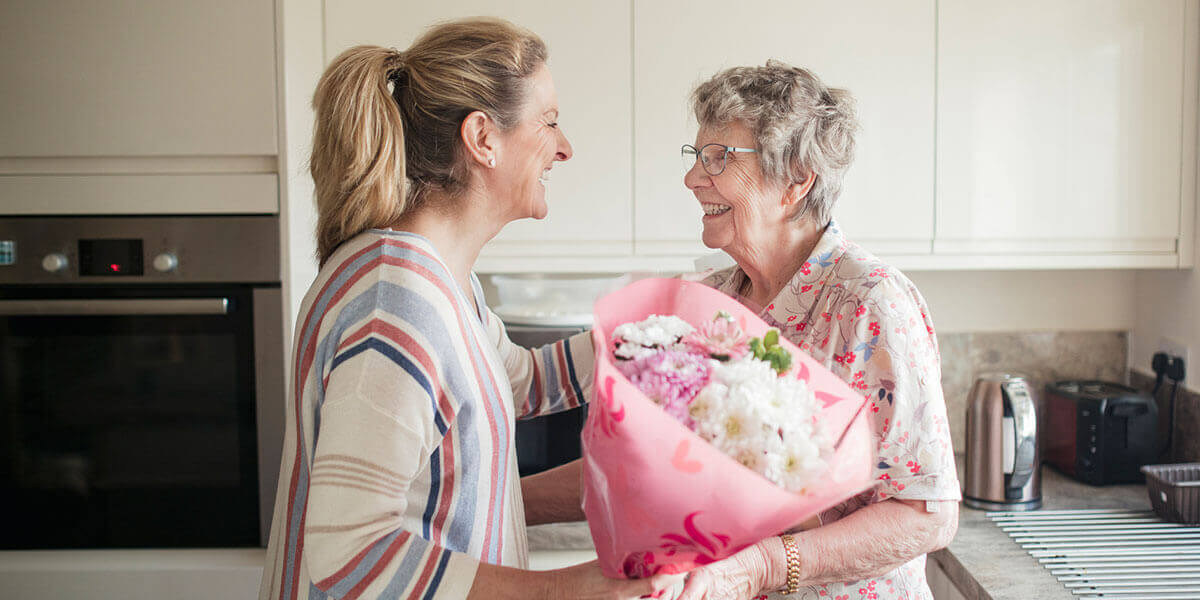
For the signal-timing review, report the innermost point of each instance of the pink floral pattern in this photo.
(706, 548)
(867, 322)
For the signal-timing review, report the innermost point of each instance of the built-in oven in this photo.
(141, 381)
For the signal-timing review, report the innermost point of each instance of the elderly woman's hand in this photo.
(739, 577)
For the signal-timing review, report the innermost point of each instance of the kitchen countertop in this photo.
(985, 564)
(982, 561)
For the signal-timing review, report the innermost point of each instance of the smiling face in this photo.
(739, 205)
(530, 150)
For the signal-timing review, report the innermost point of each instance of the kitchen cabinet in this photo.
(940, 584)
(882, 51)
(1066, 132)
(137, 78)
(994, 136)
(138, 107)
(590, 195)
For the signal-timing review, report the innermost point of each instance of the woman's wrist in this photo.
(774, 561)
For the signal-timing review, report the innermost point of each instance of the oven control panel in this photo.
(200, 249)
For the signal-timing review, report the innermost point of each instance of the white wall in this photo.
(303, 60)
(992, 301)
(1168, 306)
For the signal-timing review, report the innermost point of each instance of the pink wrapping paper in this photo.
(657, 497)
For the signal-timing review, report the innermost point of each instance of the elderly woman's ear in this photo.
(796, 193)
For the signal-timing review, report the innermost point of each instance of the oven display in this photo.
(110, 258)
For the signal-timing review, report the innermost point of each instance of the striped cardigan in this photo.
(399, 472)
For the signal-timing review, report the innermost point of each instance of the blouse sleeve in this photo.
(549, 379)
(891, 356)
(382, 421)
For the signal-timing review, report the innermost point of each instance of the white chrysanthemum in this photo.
(654, 332)
(763, 421)
(706, 401)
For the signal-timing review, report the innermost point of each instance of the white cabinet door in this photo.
(589, 43)
(880, 50)
(87, 78)
(1059, 128)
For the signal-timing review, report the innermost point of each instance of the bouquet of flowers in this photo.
(708, 431)
(730, 389)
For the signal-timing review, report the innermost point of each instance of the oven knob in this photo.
(54, 262)
(165, 262)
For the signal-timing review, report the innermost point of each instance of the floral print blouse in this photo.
(867, 322)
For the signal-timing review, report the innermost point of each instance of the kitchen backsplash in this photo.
(1044, 357)
(1185, 446)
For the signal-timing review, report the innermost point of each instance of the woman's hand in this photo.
(738, 577)
(585, 581)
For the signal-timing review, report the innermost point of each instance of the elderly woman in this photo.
(767, 166)
(399, 477)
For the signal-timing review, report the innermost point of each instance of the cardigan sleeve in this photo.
(549, 379)
(383, 420)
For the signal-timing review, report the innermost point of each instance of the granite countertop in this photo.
(982, 561)
(985, 564)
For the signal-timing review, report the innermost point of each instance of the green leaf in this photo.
(780, 360)
(756, 347)
(771, 340)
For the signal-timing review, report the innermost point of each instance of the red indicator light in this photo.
(115, 268)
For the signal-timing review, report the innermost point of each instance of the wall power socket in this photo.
(1174, 349)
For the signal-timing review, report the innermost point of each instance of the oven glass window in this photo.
(128, 431)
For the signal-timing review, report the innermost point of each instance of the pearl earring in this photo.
(492, 162)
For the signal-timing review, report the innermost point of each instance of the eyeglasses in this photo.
(712, 156)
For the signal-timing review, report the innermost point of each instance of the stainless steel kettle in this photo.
(1003, 461)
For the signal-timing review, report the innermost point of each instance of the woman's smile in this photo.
(713, 209)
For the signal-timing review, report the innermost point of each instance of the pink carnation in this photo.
(671, 378)
(720, 338)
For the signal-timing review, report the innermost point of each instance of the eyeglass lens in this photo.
(712, 157)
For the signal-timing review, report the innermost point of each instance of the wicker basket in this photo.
(1174, 491)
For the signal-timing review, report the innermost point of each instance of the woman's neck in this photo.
(458, 227)
(774, 259)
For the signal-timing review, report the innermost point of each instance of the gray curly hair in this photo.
(800, 125)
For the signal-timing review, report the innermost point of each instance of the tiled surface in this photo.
(1185, 445)
(1042, 356)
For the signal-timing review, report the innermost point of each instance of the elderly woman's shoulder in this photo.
(871, 278)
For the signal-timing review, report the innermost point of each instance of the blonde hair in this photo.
(800, 125)
(378, 151)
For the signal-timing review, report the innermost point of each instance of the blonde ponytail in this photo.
(376, 152)
(357, 158)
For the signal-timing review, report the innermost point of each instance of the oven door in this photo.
(127, 417)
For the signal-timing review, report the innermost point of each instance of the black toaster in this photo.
(1099, 432)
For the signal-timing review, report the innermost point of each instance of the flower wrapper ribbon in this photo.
(658, 498)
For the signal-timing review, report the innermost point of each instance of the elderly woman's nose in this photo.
(564, 150)
(695, 177)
